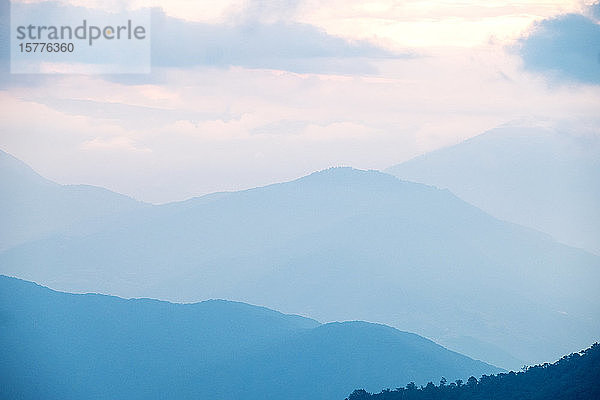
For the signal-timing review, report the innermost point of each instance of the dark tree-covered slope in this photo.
(576, 376)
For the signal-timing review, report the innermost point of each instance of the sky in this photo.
(247, 93)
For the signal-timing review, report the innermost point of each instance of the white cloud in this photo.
(112, 143)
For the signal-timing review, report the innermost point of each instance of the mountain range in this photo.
(339, 244)
(543, 177)
(32, 206)
(88, 346)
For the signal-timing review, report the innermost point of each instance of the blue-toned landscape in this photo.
(339, 245)
(77, 346)
(333, 200)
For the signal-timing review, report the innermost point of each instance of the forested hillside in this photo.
(576, 376)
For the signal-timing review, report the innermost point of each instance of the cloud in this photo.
(209, 129)
(594, 11)
(261, 36)
(113, 143)
(281, 45)
(267, 11)
(4, 40)
(240, 120)
(565, 47)
(53, 13)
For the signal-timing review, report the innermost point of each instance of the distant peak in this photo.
(16, 172)
(347, 175)
(341, 170)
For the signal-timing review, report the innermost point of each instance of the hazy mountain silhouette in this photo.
(544, 178)
(576, 376)
(346, 354)
(32, 206)
(343, 244)
(65, 346)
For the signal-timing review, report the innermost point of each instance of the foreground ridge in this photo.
(575, 376)
(61, 346)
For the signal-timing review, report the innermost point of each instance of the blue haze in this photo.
(544, 178)
(31, 206)
(340, 244)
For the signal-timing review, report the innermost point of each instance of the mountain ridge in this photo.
(342, 244)
(32, 206)
(89, 345)
(543, 177)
